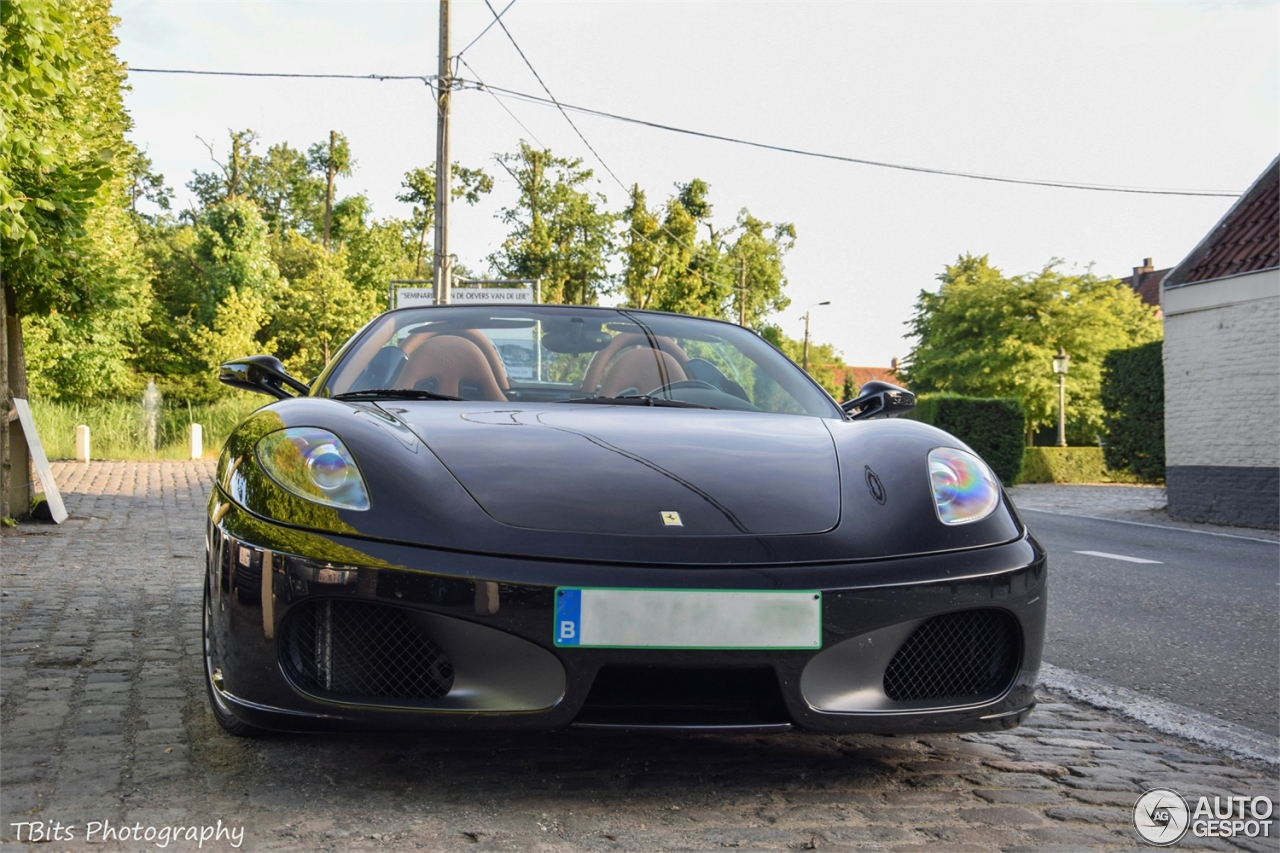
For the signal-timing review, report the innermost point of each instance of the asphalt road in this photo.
(1199, 626)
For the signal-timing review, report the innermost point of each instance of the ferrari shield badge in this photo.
(672, 519)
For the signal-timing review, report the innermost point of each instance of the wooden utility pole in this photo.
(328, 196)
(742, 293)
(441, 273)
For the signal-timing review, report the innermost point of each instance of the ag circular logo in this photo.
(1161, 816)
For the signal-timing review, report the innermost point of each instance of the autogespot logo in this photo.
(1161, 816)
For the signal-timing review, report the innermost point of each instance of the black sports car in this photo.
(526, 517)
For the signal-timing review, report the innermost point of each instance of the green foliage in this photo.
(732, 274)
(994, 428)
(420, 190)
(80, 354)
(1133, 404)
(117, 431)
(824, 359)
(316, 306)
(62, 140)
(1068, 465)
(559, 233)
(985, 334)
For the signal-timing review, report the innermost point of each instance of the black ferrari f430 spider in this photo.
(530, 517)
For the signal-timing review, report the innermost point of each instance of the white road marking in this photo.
(1119, 557)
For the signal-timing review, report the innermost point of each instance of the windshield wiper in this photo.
(394, 394)
(637, 400)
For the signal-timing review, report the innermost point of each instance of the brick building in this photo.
(1146, 281)
(1222, 366)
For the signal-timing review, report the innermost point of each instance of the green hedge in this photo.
(1133, 410)
(994, 428)
(1068, 465)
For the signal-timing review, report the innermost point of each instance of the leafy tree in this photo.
(212, 188)
(824, 359)
(331, 159)
(984, 334)
(377, 254)
(756, 255)
(668, 267)
(560, 234)
(207, 277)
(146, 185)
(420, 191)
(288, 193)
(316, 307)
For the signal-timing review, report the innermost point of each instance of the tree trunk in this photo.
(15, 464)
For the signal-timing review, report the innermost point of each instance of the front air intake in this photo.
(359, 651)
(971, 655)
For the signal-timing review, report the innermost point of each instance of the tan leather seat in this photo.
(641, 369)
(476, 337)
(599, 363)
(452, 361)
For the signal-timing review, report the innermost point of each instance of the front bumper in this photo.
(493, 618)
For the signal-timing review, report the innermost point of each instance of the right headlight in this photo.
(964, 489)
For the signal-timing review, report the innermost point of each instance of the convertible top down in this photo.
(528, 517)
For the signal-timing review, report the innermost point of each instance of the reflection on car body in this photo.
(440, 534)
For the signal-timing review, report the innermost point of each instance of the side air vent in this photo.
(357, 650)
(972, 654)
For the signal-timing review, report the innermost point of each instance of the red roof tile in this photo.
(1246, 240)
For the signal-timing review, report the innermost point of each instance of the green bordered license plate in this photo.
(593, 618)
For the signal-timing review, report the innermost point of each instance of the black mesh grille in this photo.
(363, 650)
(969, 654)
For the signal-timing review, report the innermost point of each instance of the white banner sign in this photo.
(407, 296)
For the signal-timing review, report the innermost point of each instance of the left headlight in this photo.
(313, 464)
(964, 489)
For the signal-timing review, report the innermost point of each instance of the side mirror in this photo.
(262, 373)
(879, 400)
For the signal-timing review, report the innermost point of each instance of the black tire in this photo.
(227, 720)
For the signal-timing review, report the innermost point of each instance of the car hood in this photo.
(637, 470)
(590, 483)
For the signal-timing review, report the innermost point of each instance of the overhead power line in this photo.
(550, 101)
(1072, 185)
(428, 79)
(458, 55)
(498, 20)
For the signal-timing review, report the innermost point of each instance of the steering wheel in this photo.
(683, 383)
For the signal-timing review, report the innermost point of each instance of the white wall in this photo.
(1222, 372)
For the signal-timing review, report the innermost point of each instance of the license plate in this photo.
(595, 618)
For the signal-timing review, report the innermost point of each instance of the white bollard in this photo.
(82, 443)
(196, 434)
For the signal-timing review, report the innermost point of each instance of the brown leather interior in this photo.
(595, 370)
(643, 369)
(452, 361)
(476, 337)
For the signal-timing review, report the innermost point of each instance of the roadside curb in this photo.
(1207, 730)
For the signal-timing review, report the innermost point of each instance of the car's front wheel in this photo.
(230, 723)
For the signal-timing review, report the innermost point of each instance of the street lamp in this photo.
(1061, 362)
(806, 332)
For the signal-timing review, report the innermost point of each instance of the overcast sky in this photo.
(1160, 95)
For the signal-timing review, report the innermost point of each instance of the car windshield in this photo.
(565, 354)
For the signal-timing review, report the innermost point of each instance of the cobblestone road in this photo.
(103, 719)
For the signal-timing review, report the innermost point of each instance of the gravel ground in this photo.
(103, 719)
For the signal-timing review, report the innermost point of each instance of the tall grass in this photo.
(117, 431)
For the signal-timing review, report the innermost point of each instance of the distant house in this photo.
(1146, 281)
(1222, 367)
(862, 375)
